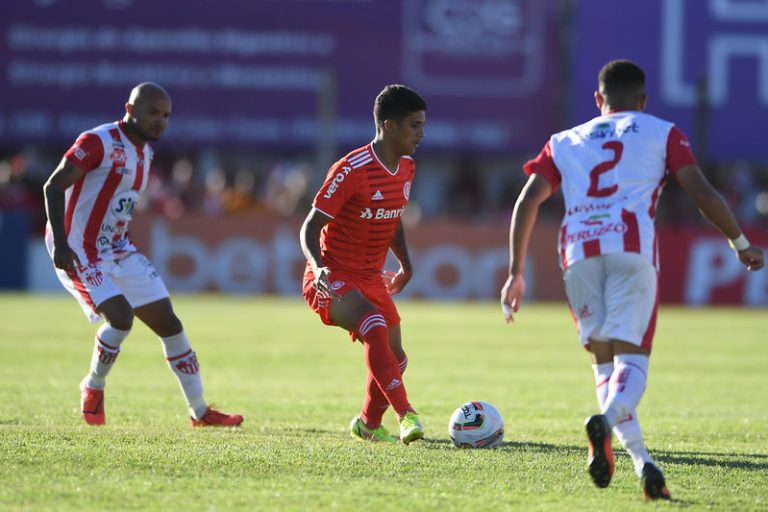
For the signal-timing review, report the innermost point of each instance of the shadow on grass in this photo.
(748, 461)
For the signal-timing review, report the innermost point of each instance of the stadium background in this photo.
(267, 94)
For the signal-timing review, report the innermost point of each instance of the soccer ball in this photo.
(476, 425)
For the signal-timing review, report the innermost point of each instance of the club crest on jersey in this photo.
(337, 285)
(118, 155)
(407, 190)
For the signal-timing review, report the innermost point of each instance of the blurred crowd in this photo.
(478, 188)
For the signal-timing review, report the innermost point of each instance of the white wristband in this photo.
(739, 244)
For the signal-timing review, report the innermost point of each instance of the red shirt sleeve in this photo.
(544, 166)
(679, 152)
(339, 186)
(87, 152)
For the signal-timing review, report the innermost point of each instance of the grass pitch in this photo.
(298, 384)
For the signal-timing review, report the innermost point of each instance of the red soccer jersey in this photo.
(365, 202)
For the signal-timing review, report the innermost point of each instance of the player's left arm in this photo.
(396, 281)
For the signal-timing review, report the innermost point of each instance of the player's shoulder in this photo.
(358, 158)
(407, 162)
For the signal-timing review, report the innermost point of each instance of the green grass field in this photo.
(299, 383)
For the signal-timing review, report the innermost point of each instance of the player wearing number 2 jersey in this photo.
(90, 199)
(611, 171)
(355, 220)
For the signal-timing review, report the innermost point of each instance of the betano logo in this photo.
(382, 213)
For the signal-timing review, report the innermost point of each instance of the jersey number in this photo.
(594, 175)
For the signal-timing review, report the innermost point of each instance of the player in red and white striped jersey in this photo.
(356, 218)
(611, 171)
(90, 199)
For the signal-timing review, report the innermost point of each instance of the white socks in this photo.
(105, 351)
(183, 362)
(626, 387)
(627, 430)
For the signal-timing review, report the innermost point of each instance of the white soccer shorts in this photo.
(613, 297)
(131, 275)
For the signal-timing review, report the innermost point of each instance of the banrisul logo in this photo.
(382, 213)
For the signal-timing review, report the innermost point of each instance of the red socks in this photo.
(376, 404)
(383, 370)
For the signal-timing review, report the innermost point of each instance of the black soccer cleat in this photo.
(600, 459)
(653, 484)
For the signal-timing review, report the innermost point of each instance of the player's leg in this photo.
(356, 314)
(632, 298)
(100, 299)
(376, 404)
(585, 288)
(148, 295)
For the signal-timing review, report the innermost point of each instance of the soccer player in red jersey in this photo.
(90, 199)
(355, 220)
(611, 170)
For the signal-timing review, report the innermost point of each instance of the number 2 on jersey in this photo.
(601, 168)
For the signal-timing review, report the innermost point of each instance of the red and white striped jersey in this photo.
(99, 206)
(365, 202)
(612, 170)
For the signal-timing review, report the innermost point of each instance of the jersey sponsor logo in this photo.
(123, 170)
(103, 242)
(591, 207)
(407, 190)
(124, 204)
(589, 234)
(594, 220)
(334, 186)
(378, 196)
(79, 153)
(382, 213)
(584, 312)
(608, 131)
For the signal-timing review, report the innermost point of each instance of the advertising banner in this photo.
(452, 260)
(261, 73)
(686, 47)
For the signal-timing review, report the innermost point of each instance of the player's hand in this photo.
(396, 281)
(752, 257)
(65, 258)
(512, 295)
(323, 282)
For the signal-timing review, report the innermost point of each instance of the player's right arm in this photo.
(63, 177)
(713, 207)
(535, 192)
(309, 237)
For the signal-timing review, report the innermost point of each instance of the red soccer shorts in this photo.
(372, 288)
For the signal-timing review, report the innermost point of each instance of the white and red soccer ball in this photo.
(476, 425)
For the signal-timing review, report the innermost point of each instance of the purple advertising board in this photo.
(720, 46)
(262, 73)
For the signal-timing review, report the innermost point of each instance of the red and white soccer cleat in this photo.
(214, 418)
(92, 405)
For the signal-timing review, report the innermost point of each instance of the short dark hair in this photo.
(396, 102)
(621, 77)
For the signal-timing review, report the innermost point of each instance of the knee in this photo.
(120, 318)
(170, 326)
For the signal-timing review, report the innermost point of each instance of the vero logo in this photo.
(366, 214)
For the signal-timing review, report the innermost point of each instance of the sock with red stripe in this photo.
(183, 363)
(626, 386)
(105, 351)
(376, 404)
(381, 362)
(627, 430)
